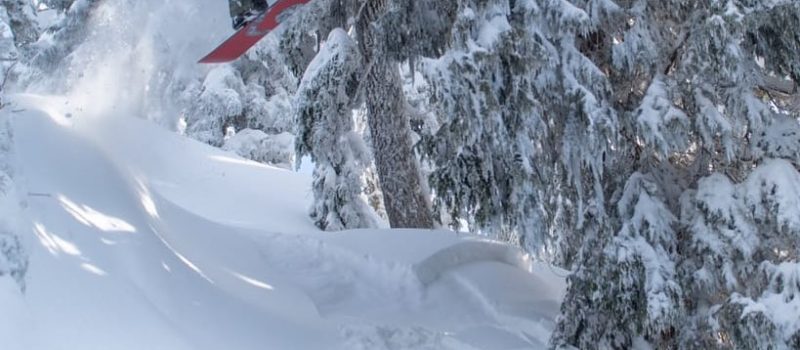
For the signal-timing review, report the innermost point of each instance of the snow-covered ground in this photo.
(140, 238)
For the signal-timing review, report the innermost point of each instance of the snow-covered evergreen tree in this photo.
(525, 124)
(626, 285)
(231, 110)
(22, 20)
(550, 112)
(388, 33)
(10, 54)
(481, 92)
(215, 105)
(698, 122)
(246, 106)
(325, 102)
(398, 172)
(13, 259)
(17, 28)
(57, 43)
(741, 261)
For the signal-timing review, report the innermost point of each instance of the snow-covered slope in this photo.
(142, 239)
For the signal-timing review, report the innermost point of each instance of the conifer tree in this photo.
(697, 120)
(10, 54)
(21, 18)
(325, 102)
(583, 129)
(17, 29)
(388, 33)
(54, 49)
(525, 125)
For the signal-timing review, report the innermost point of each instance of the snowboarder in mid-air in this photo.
(252, 20)
(244, 11)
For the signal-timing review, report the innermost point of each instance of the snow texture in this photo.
(261, 147)
(122, 230)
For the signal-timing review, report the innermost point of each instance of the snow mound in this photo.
(468, 252)
(144, 239)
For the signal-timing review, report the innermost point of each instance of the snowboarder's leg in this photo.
(260, 5)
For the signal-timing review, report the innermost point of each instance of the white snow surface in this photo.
(140, 238)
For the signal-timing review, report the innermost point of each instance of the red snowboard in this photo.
(251, 33)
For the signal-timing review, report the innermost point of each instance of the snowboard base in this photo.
(252, 32)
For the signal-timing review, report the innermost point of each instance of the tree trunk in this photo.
(398, 172)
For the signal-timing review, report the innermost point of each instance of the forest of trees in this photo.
(651, 147)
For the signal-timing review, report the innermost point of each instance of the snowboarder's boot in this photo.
(260, 5)
(244, 11)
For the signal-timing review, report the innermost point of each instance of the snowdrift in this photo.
(142, 239)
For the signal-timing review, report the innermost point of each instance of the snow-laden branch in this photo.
(776, 84)
(786, 89)
(5, 80)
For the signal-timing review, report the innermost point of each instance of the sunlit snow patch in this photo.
(239, 161)
(148, 203)
(182, 258)
(53, 243)
(253, 282)
(93, 269)
(93, 218)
